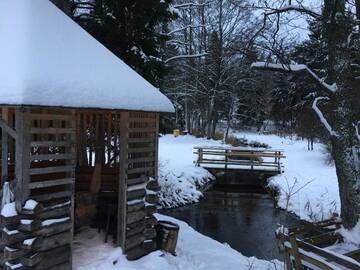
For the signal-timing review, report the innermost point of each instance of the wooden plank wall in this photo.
(141, 183)
(46, 158)
(127, 142)
(41, 238)
(7, 146)
(98, 140)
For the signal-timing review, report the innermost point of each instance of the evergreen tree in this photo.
(131, 29)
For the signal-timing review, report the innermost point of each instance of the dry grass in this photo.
(218, 136)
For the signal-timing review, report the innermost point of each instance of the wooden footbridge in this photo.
(220, 158)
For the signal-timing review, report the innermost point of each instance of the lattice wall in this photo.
(49, 145)
(40, 234)
(141, 182)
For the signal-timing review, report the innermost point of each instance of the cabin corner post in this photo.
(71, 174)
(22, 156)
(156, 147)
(4, 148)
(123, 168)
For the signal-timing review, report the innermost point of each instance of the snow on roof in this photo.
(48, 60)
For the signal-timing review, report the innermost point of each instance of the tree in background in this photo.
(131, 29)
(208, 38)
(336, 100)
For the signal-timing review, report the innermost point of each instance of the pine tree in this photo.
(131, 29)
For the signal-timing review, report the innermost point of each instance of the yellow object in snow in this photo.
(176, 132)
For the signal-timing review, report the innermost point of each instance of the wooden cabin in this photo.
(79, 140)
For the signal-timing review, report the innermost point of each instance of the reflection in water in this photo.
(245, 221)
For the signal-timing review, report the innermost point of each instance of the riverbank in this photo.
(194, 252)
(180, 180)
(308, 187)
(244, 221)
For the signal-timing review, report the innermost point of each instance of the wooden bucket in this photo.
(167, 236)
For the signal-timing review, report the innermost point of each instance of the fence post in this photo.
(295, 251)
(226, 159)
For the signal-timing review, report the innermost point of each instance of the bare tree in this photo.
(335, 102)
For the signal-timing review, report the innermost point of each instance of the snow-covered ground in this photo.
(308, 186)
(194, 252)
(179, 178)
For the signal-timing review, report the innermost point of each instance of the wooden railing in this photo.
(310, 252)
(239, 158)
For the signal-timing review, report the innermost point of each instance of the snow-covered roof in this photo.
(46, 59)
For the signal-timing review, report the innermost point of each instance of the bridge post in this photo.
(200, 156)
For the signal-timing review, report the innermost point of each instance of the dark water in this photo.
(246, 221)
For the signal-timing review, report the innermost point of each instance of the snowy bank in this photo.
(194, 252)
(308, 187)
(180, 180)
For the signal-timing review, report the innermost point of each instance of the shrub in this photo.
(218, 136)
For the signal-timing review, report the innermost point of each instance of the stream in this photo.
(241, 215)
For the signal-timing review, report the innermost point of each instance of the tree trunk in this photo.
(210, 118)
(349, 178)
(214, 124)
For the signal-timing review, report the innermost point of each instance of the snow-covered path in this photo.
(194, 252)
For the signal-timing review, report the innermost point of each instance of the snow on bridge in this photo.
(240, 158)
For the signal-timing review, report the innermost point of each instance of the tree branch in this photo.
(182, 29)
(295, 68)
(186, 5)
(357, 131)
(185, 56)
(322, 117)
(299, 8)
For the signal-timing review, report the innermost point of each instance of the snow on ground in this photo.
(194, 252)
(308, 186)
(307, 176)
(179, 178)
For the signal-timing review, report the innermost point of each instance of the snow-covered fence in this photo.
(304, 247)
(240, 158)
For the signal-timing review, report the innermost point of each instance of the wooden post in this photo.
(288, 264)
(22, 156)
(252, 160)
(295, 251)
(123, 167)
(226, 158)
(109, 138)
(156, 148)
(200, 158)
(4, 148)
(72, 150)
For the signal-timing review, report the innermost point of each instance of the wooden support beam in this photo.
(71, 150)
(52, 183)
(156, 153)
(123, 167)
(4, 126)
(22, 156)
(4, 148)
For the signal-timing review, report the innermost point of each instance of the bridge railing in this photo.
(241, 158)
